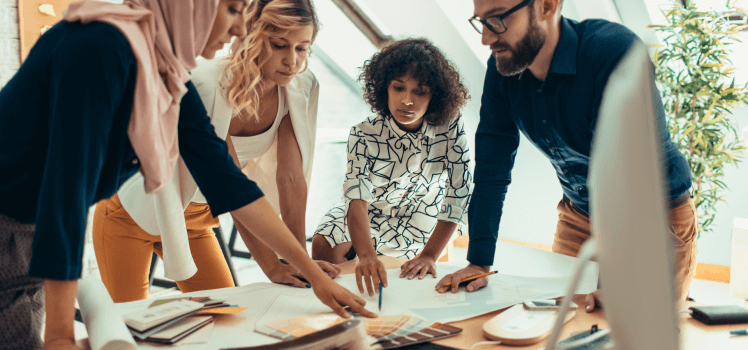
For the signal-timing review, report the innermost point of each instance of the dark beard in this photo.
(522, 56)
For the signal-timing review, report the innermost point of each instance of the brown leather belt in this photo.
(673, 203)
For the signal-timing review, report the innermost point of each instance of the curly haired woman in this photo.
(408, 180)
(263, 98)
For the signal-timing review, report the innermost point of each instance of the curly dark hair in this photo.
(420, 59)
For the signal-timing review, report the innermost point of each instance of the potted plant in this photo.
(695, 78)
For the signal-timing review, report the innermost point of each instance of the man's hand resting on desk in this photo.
(461, 274)
(420, 266)
(287, 274)
(373, 272)
(592, 301)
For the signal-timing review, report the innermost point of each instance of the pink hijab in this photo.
(166, 37)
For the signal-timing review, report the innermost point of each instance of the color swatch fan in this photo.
(389, 331)
(380, 327)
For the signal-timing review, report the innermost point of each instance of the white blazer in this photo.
(162, 214)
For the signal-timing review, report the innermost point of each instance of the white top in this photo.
(250, 147)
(162, 214)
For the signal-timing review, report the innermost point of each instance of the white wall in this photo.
(715, 247)
(605, 9)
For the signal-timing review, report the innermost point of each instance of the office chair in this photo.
(166, 283)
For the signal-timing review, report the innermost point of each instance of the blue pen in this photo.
(739, 332)
(380, 296)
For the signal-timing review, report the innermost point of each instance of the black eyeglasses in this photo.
(496, 23)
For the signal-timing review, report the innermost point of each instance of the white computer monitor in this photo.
(627, 211)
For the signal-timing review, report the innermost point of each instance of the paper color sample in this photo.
(229, 310)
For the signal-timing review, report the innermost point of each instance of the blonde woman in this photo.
(263, 101)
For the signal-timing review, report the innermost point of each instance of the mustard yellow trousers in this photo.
(124, 251)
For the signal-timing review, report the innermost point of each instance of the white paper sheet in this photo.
(418, 297)
(106, 328)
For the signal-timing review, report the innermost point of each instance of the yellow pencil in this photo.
(472, 278)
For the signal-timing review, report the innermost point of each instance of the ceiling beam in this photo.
(362, 21)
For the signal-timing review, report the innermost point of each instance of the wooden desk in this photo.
(695, 335)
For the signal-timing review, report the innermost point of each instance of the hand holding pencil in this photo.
(468, 279)
(474, 274)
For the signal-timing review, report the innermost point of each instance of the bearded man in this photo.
(546, 78)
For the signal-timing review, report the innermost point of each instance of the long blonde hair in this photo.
(247, 55)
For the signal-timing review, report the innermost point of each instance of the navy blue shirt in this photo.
(558, 116)
(64, 143)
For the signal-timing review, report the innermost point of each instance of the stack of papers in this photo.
(173, 321)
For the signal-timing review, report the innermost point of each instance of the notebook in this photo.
(180, 329)
(149, 318)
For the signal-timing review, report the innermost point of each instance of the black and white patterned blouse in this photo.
(409, 179)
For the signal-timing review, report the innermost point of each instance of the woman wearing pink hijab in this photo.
(104, 94)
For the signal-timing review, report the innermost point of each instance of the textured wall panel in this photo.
(8, 22)
(9, 44)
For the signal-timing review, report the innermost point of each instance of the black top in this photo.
(558, 116)
(64, 143)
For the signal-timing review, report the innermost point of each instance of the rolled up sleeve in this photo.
(357, 184)
(459, 181)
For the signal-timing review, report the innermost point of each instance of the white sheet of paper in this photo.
(418, 297)
(517, 260)
(105, 326)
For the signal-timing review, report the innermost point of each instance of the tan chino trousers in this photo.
(573, 229)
